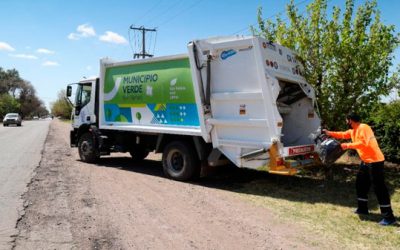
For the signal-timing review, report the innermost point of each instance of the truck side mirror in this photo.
(69, 91)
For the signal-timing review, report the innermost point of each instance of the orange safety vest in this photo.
(363, 140)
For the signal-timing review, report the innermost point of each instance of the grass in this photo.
(325, 207)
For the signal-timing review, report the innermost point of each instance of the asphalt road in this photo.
(20, 154)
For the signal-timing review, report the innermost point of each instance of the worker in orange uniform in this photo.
(371, 167)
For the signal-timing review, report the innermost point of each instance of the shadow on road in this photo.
(148, 167)
(309, 187)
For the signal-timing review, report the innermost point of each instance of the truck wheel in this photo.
(87, 151)
(138, 154)
(180, 162)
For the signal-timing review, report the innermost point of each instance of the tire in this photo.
(180, 161)
(87, 150)
(19, 124)
(138, 154)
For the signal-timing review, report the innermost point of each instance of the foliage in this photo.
(61, 107)
(10, 81)
(8, 104)
(386, 123)
(31, 105)
(346, 57)
(19, 95)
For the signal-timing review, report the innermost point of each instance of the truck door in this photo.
(84, 104)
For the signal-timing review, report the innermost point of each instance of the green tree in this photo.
(22, 92)
(346, 57)
(8, 104)
(138, 116)
(386, 123)
(30, 103)
(61, 107)
(10, 81)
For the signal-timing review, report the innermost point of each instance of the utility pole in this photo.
(143, 30)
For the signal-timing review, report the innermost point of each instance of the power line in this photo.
(278, 13)
(143, 30)
(149, 10)
(150, 39)
(180, 12)
(134, 40)
(155, 41)
(166, 11)
(129, 38)
(137, 38)
(136, 44)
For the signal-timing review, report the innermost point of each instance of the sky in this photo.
(55, 42)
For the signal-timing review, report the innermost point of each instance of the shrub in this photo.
(386, 123)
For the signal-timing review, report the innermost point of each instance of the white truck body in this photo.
(244, 96)
(250, 110)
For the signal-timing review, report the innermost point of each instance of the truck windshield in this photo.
(83, 94)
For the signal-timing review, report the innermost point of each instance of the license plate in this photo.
(301, 150)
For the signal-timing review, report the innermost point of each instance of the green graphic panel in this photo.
(154, 82)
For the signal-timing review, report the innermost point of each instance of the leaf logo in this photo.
(173, 81)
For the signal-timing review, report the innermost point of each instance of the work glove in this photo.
(344, 146)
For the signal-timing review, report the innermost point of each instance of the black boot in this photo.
(388, 217)
(362, 207)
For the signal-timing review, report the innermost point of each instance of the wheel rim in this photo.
(175, 161)
(86, 148)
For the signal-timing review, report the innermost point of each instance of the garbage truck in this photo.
(239, 99)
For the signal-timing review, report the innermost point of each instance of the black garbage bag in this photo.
(328, 149)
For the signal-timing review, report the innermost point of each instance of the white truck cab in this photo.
(85, 100)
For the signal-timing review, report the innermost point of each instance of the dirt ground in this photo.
(116, 204)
